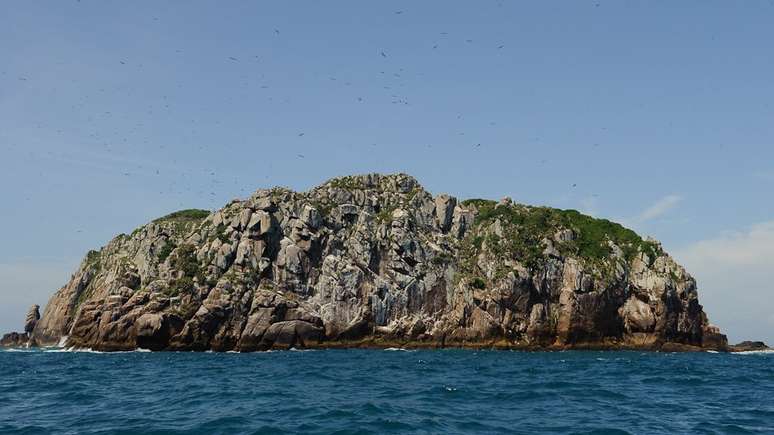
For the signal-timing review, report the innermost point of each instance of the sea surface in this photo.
(385, 391)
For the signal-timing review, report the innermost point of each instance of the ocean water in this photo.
(385, 391)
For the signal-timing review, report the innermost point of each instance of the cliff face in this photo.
(377, 260)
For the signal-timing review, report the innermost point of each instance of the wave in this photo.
(756, 352)
(398, 349)
(71, 350)
(89, 350)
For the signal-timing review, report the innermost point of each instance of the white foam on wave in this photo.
(58, 349)
(74, 349)
(293, 349)
(712, 351)
(398, 349)
(756, 352)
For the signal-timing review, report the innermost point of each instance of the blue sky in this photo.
(657, 114)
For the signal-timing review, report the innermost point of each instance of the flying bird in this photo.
(233, 58)
(383, 54)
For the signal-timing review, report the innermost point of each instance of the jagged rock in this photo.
(249, 253)
(311, 217)
(462, 219)
(33, 315)
(14, 339)
(364, 259)
(444, 211)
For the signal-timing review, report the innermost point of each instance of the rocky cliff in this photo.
(376, 260)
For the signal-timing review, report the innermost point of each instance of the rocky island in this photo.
(375, 261)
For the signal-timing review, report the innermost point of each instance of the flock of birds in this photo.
(121, 139)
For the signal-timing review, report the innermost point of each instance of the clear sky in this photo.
(658, 114)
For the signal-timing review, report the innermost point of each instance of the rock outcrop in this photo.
(23, 339)
(33, 315)
(14, 339)
(750, 346)
(376, 260)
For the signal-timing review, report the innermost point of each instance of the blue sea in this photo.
(385, 391)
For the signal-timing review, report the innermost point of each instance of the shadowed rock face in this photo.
(33, 315)
(376, 260)
(22, 339)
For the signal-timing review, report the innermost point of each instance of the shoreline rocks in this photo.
(749, 346)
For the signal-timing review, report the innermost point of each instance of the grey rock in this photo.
(444, 211)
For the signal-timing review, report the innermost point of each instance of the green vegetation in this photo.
(522, 232)
(478, 283)
(442, 258)
(479, 203)
(385, 214)
(93, 257)
(413, 193)
(651, 249)
(181, 285)
(674, 276)
(185, 261)
(348, 183)
(189, 215)
(182, 220)
(84, 295)
(94, 261)
(323, 208)
(165, 251)
(220, 232)
(532, 224)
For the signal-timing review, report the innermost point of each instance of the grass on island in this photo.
(188, 215)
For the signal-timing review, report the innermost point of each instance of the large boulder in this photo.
(637, 315)
(291, 333)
